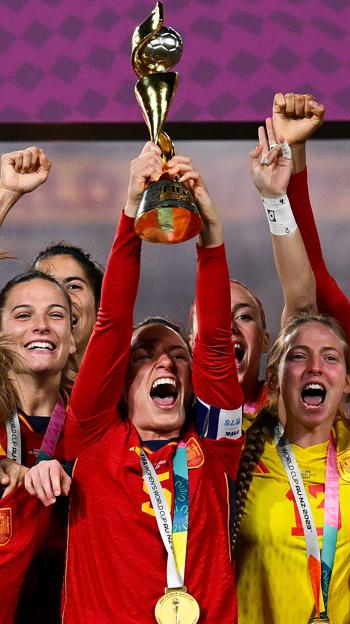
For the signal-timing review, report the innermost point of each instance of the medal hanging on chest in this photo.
(319, 565)
(177, 606)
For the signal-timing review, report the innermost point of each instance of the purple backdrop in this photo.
(70, 61)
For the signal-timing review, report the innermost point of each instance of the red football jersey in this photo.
(24, 523)
(116, 561)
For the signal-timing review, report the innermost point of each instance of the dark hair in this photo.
(29, 276)
(6, 356)
(163, 320)
(94, 271)
(264, 424)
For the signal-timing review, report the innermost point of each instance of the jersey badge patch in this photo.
(5, 526)
(261, 468)
(344, 465)
(195, 457)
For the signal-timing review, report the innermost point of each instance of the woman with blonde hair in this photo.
(292, 517)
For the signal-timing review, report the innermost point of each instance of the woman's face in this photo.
(158, 388)
(250, 339)
(312, 376)
(36, 317)
(70, 273)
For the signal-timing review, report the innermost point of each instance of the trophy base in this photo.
(167, 213)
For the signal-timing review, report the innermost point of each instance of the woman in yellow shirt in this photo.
(292, 514)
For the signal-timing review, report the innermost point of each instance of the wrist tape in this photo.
(279, 215)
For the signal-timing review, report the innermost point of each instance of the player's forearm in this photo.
(7, 200)
(295, 274)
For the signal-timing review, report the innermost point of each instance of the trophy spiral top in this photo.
(155, 48)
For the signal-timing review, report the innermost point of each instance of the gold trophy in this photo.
(167, 212)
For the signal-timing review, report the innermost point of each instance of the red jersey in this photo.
(23, 525)
(31, 441)
(26, 525)
(330, 298)
(116, 561)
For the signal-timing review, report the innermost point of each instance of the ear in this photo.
(266, 342)
(272, 380)
(347, 384)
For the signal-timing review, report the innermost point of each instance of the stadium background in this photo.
(67, 85)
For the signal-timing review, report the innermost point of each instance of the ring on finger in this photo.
(272, 145)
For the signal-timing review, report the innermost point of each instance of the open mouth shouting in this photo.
(40, 346)
(313, 396)
(164, 392)
(239, 352)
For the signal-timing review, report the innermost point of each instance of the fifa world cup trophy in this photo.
(167, 212)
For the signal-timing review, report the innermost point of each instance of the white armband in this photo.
(279, 215)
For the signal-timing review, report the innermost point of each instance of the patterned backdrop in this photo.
(69, 61)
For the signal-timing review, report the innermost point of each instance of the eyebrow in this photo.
(239, 306)
(151, 341)
(28, 305)
(74, 278)
(307, 348)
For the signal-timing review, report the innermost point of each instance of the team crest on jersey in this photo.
(5, 526)
(261, 469)
(344, 465)
(195, 457)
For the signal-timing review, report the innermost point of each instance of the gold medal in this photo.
(177, 607)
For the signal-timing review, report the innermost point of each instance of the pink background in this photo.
(70, 61)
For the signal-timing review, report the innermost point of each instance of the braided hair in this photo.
(263, 427)
(261, 430)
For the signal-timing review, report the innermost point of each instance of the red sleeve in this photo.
(214, 369)
(99, 383)
(330, 298)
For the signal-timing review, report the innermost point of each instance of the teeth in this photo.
(40, 345)
(314, 386)
(237, 345)
(163, 380)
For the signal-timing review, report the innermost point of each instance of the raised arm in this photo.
(214, 370)
(270, 171)
(22, 171)
(298, 117)
(100, 381)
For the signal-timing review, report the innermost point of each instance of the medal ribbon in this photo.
(13, 432)
(173, 532)
(51, 437)
(320, 568)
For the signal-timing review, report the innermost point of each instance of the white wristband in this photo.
(279, 215)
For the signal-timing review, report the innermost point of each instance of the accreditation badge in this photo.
(5, 525)
(318, 620)
(177, 607)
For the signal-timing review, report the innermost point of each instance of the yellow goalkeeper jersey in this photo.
(272, 576)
